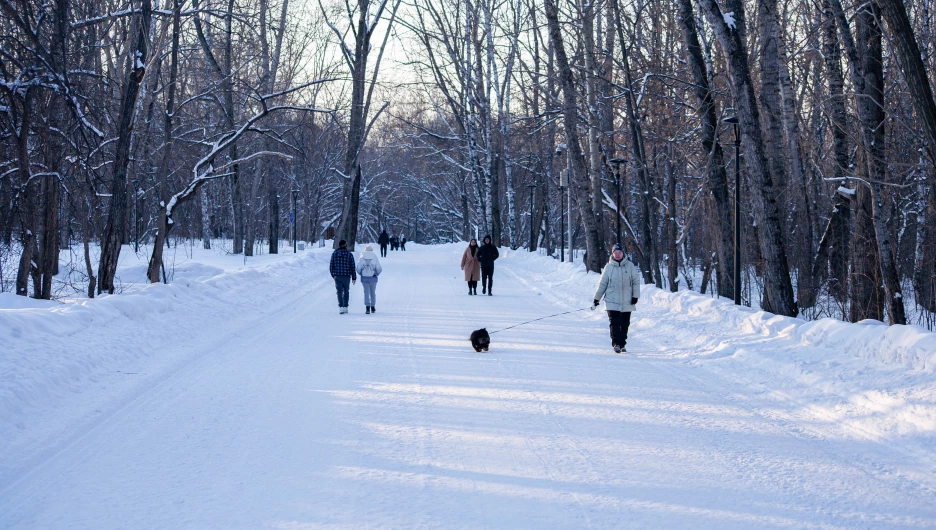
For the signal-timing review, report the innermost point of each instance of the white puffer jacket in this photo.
(368, 266)
(620, 281)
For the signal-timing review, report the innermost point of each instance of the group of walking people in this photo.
(619, 284)
(345, 272)
(394, 242)
(478, 264)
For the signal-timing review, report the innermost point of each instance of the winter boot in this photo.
(373, 309)
(367, 312)
(617, 349)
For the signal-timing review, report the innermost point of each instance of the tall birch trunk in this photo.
(777, 283)
(715, 164)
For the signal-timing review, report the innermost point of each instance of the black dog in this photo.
(480, 340)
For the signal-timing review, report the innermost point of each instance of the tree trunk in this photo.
(162, 174)
(866, 299)
(922, 94)
(838, 117)
(871, 111)
(669, 223)
(117, 212)
(717, 176)
(578, 174)
(646, 251)
(777, 282)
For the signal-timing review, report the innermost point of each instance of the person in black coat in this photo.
(383, 240)
(403, 243)
(486, 255)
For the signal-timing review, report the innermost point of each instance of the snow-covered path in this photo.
(310, 419)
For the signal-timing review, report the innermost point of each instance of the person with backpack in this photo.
(343, 272)
(620, 287)
(471, 266)
(369, 268)
(487, 253)
(383, 240)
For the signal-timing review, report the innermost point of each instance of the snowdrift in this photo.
(910, 346)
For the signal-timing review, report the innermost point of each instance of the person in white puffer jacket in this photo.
(620, 287)
(368, 268)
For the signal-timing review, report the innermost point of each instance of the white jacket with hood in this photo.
(620, 281)
(368, 266)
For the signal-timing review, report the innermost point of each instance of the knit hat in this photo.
(617, 246)
(342, 244)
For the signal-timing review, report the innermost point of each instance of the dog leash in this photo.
(540, 318)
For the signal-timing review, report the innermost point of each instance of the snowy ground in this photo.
(238, 397)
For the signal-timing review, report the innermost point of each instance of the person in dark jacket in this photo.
(620, 287)
(487, 253)
(383, 240)
(403, 243)
(343, 272)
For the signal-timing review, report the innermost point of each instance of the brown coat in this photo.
(471, 265)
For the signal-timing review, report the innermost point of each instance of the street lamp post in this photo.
(138, 222)
(617, 184)
(295, 219)
(532, 187)
(563, 183)
(737, 211)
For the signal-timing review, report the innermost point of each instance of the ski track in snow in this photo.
(268, 409)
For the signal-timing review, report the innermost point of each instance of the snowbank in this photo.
(53, 350)
(910, 346)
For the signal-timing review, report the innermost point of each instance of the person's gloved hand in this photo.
(596, 303)
(633, 301)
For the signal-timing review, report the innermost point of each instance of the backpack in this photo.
(367, 268)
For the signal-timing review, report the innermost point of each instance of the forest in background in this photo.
(154, 123)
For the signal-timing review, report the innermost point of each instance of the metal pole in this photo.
(136, 221)
(561, 224)
(618, 185)
(532, 187)
(737, 219)
(569, 167)
(617, 162)
(295, 218)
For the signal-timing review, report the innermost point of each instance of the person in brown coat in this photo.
(472, 266)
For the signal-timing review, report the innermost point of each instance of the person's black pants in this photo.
(383, 251)
(472, 286)
(620, 321)
(487, 279)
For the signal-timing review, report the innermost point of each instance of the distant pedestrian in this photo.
(620, 287)
(487, 253)
(472, 266)
(369, 268)
(383, 240)
(403, 244)
(343, 272)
